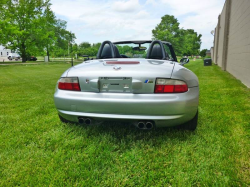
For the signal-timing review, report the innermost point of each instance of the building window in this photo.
(7, 53)
(1, 53)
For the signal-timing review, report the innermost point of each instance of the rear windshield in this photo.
(132, 50)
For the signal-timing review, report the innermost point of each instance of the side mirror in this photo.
(184, 61)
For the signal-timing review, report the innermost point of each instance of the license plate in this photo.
(116, 84)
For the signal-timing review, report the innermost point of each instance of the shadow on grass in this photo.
(127, 133)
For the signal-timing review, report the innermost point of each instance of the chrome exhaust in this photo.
(141, 125)
(149, 125)
(88, 121)
(145, 125)
(81, 120)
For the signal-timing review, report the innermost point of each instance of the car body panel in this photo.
(90, 72)
(98, 68)
(157, 107)
(179, 72)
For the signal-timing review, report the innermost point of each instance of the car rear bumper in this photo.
(163, 109)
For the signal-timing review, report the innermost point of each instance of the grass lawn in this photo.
(36, 149)
(39, 62)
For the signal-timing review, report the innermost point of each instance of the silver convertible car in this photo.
(136, 81)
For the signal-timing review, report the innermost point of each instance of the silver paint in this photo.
(137, 102)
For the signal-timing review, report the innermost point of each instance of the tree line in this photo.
(185, 42)
(31, 28)
(85, 48)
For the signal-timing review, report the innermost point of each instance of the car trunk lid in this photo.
(121, 75)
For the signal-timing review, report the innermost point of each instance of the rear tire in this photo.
(192, 124)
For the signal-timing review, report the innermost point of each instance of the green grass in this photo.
(36, 149)
(39, 62)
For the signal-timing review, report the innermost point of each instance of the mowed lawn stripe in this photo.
(37, 149)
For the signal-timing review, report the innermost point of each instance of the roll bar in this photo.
(164, 56)
(161, 43)
(113, 52)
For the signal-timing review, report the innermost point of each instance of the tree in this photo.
(84, 45)
(30, 26)
(47, 38)
(192, 42)
(86, 48)
(64, 38)
(203, 53)
(185, 42)
(168, 30)
(96, 45)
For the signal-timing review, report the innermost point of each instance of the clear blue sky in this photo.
(98, 20)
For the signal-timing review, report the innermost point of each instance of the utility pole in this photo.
(68, 48)
(71, 50)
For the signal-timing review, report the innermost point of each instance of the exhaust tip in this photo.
(141, 125)
(88, 121)
(81, 120)
(149, 125)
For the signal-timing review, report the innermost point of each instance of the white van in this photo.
(12, 56)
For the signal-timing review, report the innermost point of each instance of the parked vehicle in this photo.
(15, 56)
(153, 91)
(32, 58)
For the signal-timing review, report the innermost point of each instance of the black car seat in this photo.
(156, 52)
(106, 52)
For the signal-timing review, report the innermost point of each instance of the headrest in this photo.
(106, 52)
(156, 52)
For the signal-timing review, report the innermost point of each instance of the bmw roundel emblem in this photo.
(117, 68)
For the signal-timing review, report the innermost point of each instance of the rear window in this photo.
(133, 50)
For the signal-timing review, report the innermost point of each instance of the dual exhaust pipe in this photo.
(148, 125)
(145, 125)
(86, 121)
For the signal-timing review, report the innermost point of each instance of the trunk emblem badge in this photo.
(149, 81)
(117, 68)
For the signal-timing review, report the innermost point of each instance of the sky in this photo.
(118, 20)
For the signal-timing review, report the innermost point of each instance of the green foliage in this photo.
(168, 30)
(36, 149)
(84, 45)
(86, 48)
(203, 53)
(185, 42)
(125, 49)
(30, 26)
(192, 42)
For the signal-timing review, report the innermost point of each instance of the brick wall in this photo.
(235, 28)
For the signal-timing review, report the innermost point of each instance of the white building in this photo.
(4, 52)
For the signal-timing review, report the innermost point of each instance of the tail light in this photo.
(170, 86)
(69, 83)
